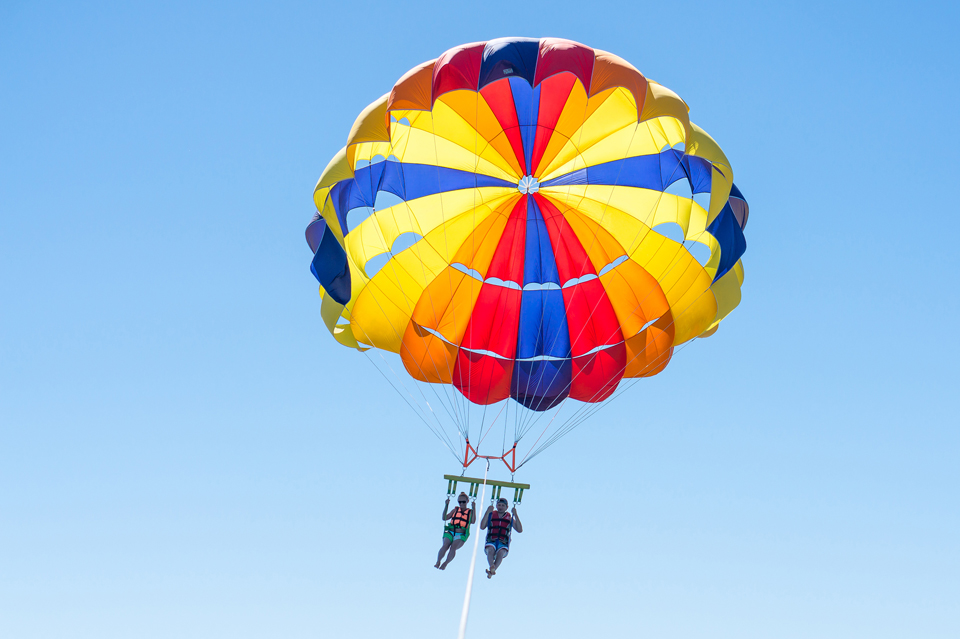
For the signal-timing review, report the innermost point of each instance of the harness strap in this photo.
(499, 527)
(460, 517)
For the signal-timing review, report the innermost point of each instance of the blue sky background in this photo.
(184, 450)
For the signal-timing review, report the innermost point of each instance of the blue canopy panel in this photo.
(539, 262)
(656, 171)
(543, 370)
(699, 172)
(741, 210)
(735, 192)
(509, 57)
(314, 232)
(329, 263)
(406, 181)
(541, 384)
(729, 235)
(526, 101)
(368, 180)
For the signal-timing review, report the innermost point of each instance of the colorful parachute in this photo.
(500, 220)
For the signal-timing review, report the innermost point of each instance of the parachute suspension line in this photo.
(450, 403)
(589, 409)
(447, 393)
(521, 420)
(440, 426)
(516, 417)
(595, 408)
(518, 428)
(524, 460)
(473, 564)
(451, 395)
(398, 377)
(442, 438)
(525, 419)
(531, 421)
(441, 435)
(483, 420)
(490, 427)
(443, 215)
(455, 418)
(674, 263)
(418, 386)
(400, 338)
(677, 350)
(506, 420)
(475, 450)
(473, 237)
(473, 246)
(519, 417)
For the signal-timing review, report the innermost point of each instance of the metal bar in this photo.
(490, 482)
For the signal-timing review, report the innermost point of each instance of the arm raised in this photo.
(483, 522)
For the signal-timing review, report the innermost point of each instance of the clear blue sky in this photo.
(185, 452)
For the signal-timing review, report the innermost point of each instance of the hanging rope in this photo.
(473, 564)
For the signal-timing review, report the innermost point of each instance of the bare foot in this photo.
(437, 565)
(443, 566)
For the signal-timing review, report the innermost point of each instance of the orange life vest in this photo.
(460, 517)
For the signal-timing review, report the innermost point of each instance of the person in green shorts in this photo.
(456, 532)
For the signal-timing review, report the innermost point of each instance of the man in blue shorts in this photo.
(498, 525)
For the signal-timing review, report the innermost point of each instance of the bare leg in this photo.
(454, 547)
(500, 555)
(443, 550)
(490, 559)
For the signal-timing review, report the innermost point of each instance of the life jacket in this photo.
(460, 517)
(499, 526)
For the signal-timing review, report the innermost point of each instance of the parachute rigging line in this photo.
(536, 418)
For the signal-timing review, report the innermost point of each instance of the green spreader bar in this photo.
(475, 484)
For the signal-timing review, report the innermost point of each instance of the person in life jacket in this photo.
(456, 532)
(499, 525)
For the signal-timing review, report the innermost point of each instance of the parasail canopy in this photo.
(528, 220)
